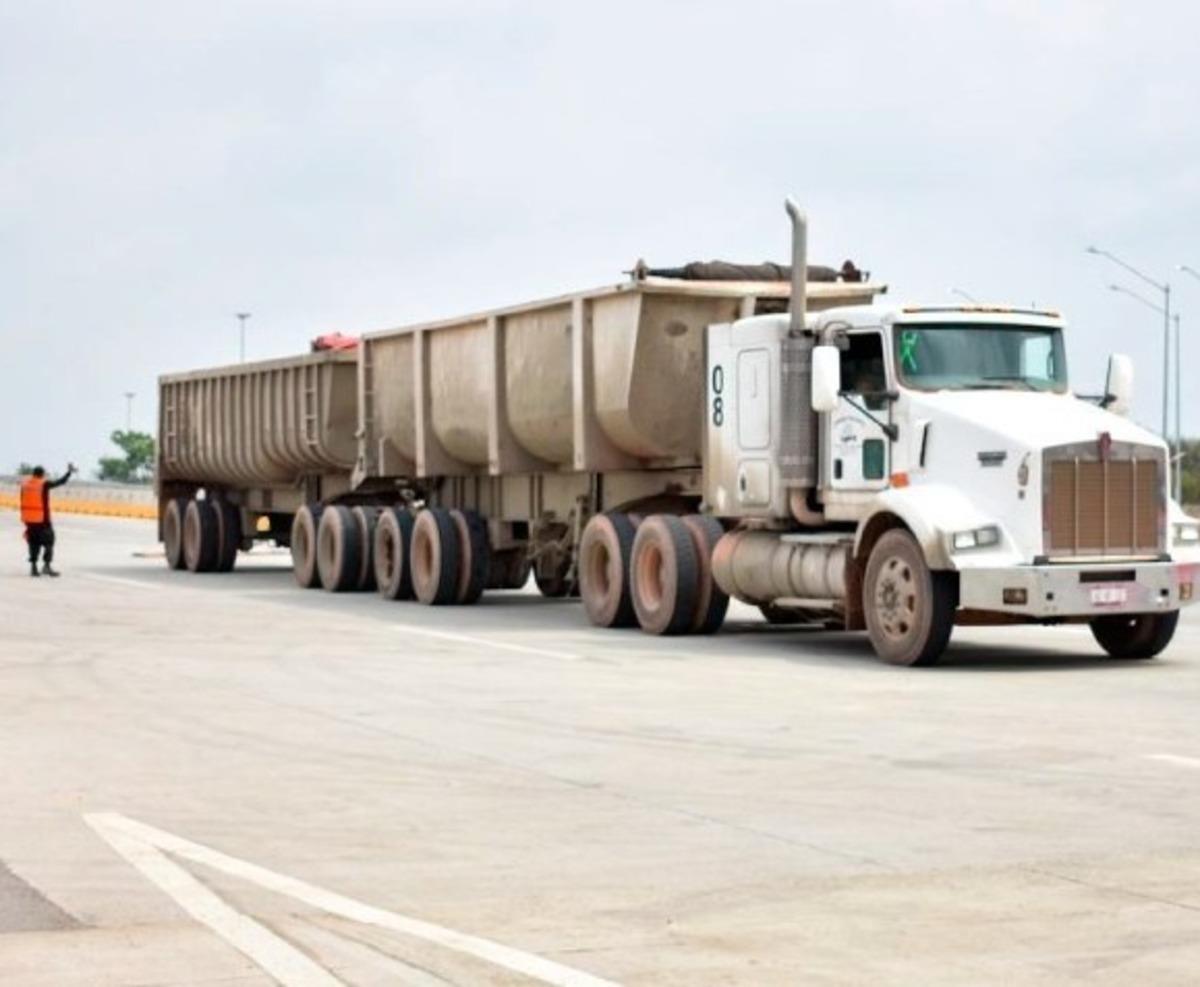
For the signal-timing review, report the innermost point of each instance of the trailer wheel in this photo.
(509, 569)
(664, 575)
(229, 537)
(435, 555)
(556, 584)
(367, 519)
(201, 543)
(909, 608)
(604, 554)
(172, 531)
(712, 602)
(339, 550)
(392, 554)
(474, 555)
(304, 545)
(1141, 635)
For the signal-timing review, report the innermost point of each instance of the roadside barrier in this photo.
(89, 497)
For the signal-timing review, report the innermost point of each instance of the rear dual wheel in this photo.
(605, 550)
(392, 548)
(339, 550)
(173, 513)
(654, 572)
(304, 545)
(201, 536)
(435, 557)
(664, 575)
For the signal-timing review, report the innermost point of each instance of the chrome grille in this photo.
(1110, 504)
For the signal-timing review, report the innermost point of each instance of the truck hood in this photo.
(1026, 420)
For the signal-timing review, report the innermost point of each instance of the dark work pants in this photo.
(41, 539)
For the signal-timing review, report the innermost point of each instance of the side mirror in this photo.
(826, 377)
(1118, 385)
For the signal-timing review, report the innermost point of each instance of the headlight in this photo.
(984, 537)
(1187, 533)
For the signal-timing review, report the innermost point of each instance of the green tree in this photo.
(136, 465)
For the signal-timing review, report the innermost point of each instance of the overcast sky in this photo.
(352, 166)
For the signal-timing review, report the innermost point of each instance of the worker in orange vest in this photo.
(35, 515)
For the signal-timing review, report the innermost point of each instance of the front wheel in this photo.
(1141, 635)
(909, 608)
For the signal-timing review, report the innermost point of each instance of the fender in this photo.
(931, 511)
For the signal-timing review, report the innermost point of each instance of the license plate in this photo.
(1109, 596)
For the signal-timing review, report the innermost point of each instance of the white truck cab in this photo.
(909, 467)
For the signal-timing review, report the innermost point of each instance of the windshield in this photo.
(976, 357)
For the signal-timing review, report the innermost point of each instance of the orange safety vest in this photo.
(33, 501)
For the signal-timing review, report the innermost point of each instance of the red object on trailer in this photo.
(334, 341)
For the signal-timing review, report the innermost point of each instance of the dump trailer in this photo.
(659, 446)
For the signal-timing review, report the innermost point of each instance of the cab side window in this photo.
(863, 370)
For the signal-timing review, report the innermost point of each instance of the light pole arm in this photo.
(1129, 267)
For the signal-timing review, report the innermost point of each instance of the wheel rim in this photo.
(896, 598)
(650, 577)
(387, 554)
(598, 569)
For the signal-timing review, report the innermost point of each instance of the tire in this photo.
(664, 575)
(200, 536)
(393, 543)
(304, 545)
(367, 518)
(509, 569)
(604, 553)
(1135, 636)
(173, 512)
(712, 602)
(229, 535)
(339, 550)
(435, 557)
(475, 555)
(909, 608)
(558, 584)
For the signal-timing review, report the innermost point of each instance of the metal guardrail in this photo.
(89, 497)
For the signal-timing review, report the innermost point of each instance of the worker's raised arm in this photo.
(50, 485)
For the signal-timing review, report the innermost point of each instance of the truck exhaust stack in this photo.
(799, 263)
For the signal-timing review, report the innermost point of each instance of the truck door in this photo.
(859, 449)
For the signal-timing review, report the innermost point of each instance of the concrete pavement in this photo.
(768, 806)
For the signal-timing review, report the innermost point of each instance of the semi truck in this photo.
(659, 446)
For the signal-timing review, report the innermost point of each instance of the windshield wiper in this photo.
(1004, 379)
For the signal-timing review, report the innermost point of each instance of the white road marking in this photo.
(120, 581)
(275, 955)
(1179, 759)
(140, 835)
(483, 642)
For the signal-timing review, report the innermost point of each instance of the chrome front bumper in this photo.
(1079, 589)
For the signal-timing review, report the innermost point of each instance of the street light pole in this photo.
(129, 396)
(242, 317)
(1165, 288)
(1177, 476)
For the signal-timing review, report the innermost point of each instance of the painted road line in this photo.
(279, 958)
(120, 581)
(483, 642)
(135, 833)
(1176, 759)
